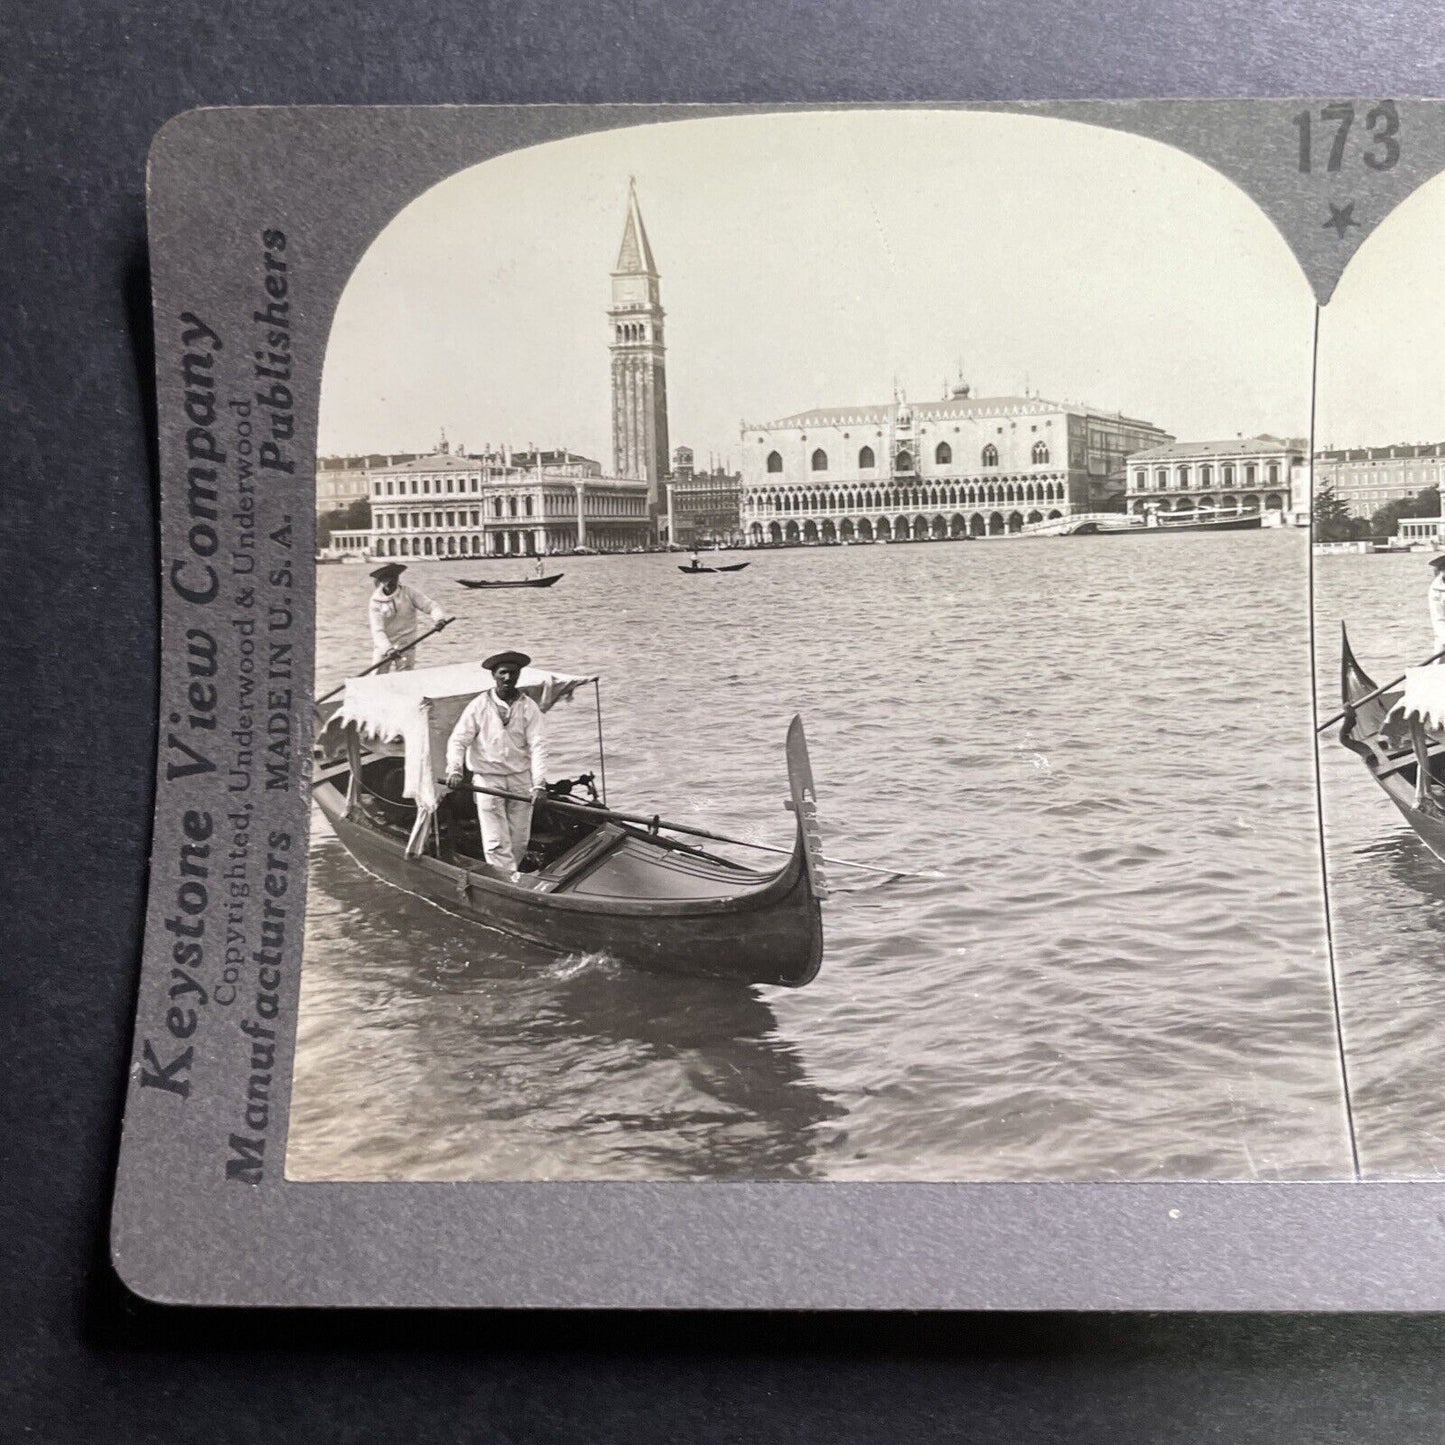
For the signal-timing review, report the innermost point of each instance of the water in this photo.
(1386, 889)
(1095, 753)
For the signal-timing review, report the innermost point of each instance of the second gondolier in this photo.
(500, 737)
(395, 613)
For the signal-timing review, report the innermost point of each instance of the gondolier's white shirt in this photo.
(496, 746)
(1437, 609)
(396, 620)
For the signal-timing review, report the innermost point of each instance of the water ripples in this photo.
(1093, 755)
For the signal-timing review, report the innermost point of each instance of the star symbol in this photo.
(1341, 218)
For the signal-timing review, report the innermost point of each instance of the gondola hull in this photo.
(630, 894)
(1126, 527)
(1394, 769)
(1248, 522)
(547, 581)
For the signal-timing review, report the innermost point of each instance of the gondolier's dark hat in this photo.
(501, 659)
(1437, 559)
(391, 569)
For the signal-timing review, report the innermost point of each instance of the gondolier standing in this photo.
(395, 613)
(1426, 798)
(500, 738)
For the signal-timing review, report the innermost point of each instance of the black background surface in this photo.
(86, 87)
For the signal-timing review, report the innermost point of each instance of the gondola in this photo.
(692, 568)
(594, 880)
(1367, 731)
(1201, 522)
(550, 580)
(1198, 522)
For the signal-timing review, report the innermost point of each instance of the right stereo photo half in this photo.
(1379, 614)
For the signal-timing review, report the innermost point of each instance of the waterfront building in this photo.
(504, 504)
(1243, 474)
(1365, 478)
(702, 507)
(639, 362)
(355, 542)
(340, 481)
(1420, 532)
(963, 466)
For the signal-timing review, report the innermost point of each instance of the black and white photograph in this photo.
(813, 670)
(1379, 599)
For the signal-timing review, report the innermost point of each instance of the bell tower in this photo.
(639, 369)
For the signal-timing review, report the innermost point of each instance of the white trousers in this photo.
(404, 663)
(506, 824)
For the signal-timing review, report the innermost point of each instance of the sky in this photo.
(820, 260)
(1382, 335)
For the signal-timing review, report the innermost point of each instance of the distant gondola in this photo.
(693, 568)
(547, 581)
(1394, 767)
(1128, 526)
(1202, 522)
(594, 881)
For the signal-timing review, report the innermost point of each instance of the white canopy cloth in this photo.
(1422, 699)
(419, 710)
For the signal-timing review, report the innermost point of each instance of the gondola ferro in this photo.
(1375, 727)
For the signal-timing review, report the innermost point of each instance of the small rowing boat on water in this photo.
(1203, 522)
(1161, 526)
(594, 880)
(547, 581)
(1375, 729)
(734, 567)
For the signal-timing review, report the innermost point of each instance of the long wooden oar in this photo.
(654, 823)
(1366, 697)
(430, 633)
